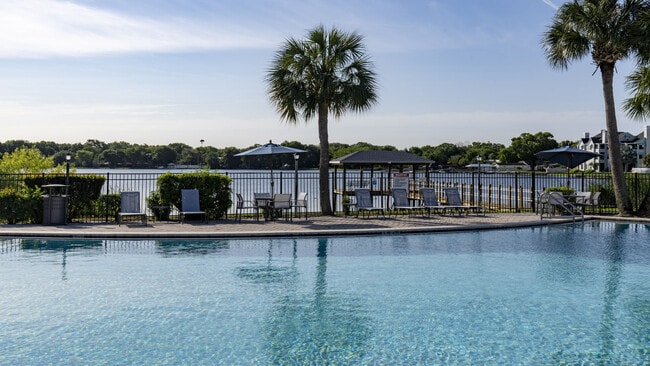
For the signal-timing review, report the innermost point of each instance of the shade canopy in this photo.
(270, 149)
(568, 156)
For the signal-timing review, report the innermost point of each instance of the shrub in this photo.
(83, 191)
(214, 191)
(157, 206)
(567, 191)
(21, 206)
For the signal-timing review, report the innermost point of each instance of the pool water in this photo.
(576, 294)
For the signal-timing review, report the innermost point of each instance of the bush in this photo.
(157, 206)
(214, 191)
(83, 191)
(21, 206)
(109, 205)
(566, 191)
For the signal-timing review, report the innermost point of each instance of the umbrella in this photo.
(568, 156)
(270, 149)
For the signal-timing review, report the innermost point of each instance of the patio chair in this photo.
(263, 202)
(588, 199)
(190, 204)
(243, 205)
(401, 201)
(301, 204)
(130, 207)
(552, 202)
(455, 203)
(282, 202)
(429, 201)
(364, 202)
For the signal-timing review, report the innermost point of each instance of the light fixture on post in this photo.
(296, 157)
(478, 160)
(68, 157)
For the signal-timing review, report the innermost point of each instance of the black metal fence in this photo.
(503, 192)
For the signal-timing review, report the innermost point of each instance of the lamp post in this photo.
(68, 157)
(296, 157)
(478, 160)
(199, 157)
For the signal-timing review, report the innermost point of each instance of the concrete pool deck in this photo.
(313, 226)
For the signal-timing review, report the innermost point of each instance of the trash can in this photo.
(55, 205)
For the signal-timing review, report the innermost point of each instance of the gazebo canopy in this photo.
(381, 157)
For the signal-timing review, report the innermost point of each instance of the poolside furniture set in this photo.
(280, 205)
(427, 203)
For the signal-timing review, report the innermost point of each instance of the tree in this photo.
(610, 31)
(327, 72)
(524, 147)
(25, 160)
(638, 106)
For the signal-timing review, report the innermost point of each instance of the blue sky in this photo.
(162, 71)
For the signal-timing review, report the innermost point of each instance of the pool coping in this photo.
(314, 227)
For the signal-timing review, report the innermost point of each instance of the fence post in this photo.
(533, 188)
(108, 191)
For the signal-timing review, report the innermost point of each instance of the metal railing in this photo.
(503, 192)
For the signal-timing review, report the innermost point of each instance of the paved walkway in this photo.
(317, 225)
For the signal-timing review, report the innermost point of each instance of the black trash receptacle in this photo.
(55, 205)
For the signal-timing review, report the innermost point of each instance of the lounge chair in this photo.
(455, 203)
(282, 202)
(190, 204)
(401, 201)
(429, 201)
(364, 202)
(242, 205)
(301, 204)
(130, 207)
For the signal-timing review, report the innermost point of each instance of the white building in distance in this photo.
(633, 148)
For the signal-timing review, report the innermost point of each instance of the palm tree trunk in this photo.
(324, 162)
(623, 202)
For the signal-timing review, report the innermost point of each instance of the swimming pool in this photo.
(543, 295)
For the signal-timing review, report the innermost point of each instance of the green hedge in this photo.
(21, 206)
(84, 190)
(214, 191)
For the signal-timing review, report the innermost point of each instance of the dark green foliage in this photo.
(21, 206)
(158, 207)
(214, 191)
(83, 191)
(109, 205)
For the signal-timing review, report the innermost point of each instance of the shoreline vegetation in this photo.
(125, 155)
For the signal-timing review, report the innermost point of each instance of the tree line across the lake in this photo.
(95, 153)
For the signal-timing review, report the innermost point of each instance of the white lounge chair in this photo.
(429, 201)
(190, 204)
(401, 201)
(364, 202)
(455, 203)
(130, 207)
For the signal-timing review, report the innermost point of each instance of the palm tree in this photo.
(327, 72)
(610, 31)
(638, 106)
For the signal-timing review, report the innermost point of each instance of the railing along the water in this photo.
(505, 192)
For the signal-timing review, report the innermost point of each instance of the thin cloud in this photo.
(50, 28)
(550, 3)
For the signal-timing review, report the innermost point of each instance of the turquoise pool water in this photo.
(546, 295)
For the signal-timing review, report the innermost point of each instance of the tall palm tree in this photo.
(327, 72)
(610, 31)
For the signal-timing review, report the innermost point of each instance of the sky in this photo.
(164, 71)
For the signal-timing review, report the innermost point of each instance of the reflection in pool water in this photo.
(545, 295)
